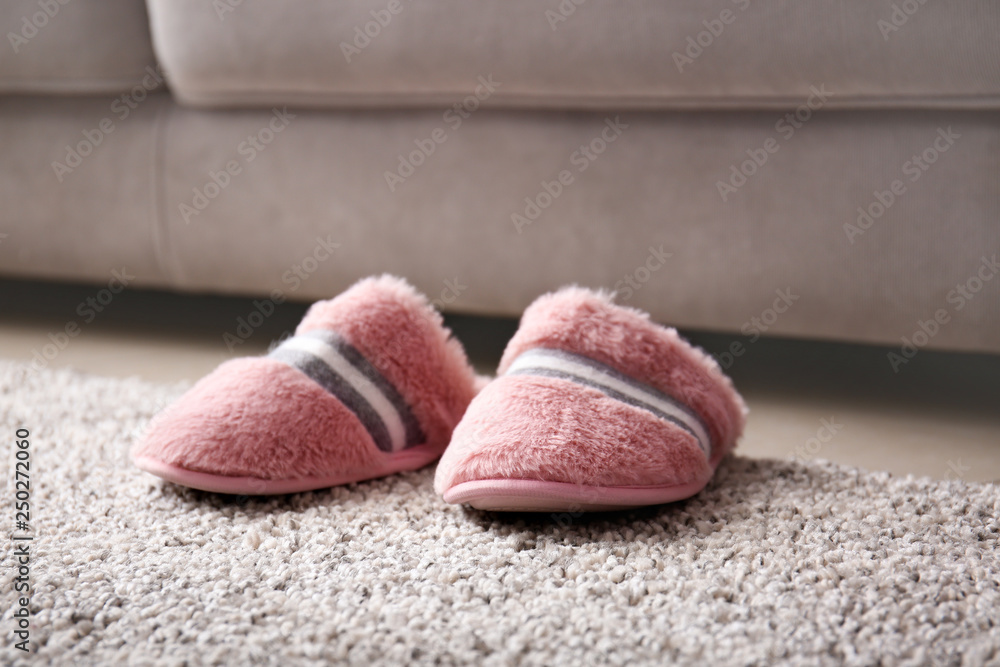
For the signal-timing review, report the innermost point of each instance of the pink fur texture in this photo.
(399, 332)
(260, 418)
(256, 417)
(538, 428)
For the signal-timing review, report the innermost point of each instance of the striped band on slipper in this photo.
(339, 368)
(582, 370)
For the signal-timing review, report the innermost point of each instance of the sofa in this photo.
(823, 170)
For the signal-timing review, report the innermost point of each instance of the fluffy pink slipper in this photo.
(371, 384)
(596, 408)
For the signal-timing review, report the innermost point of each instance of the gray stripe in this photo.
(617, 395)
(323, 375)
(621, 377)
(414, 434)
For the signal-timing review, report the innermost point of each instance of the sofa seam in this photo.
(162, 246)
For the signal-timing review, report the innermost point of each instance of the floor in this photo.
(937, 417)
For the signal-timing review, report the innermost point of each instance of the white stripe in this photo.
(538, 358)
(342, 367)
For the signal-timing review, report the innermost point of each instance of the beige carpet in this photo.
(776, 562)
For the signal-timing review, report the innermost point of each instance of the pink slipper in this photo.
(371, 384)
(596, 408)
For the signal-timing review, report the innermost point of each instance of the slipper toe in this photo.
(251, 425)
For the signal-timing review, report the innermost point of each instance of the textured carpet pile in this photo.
(775, 562)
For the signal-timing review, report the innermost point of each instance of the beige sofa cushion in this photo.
(73, 46)
(581, 53)
(243, 201)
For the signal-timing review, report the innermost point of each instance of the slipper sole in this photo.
(256, 486)
(528, 495)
